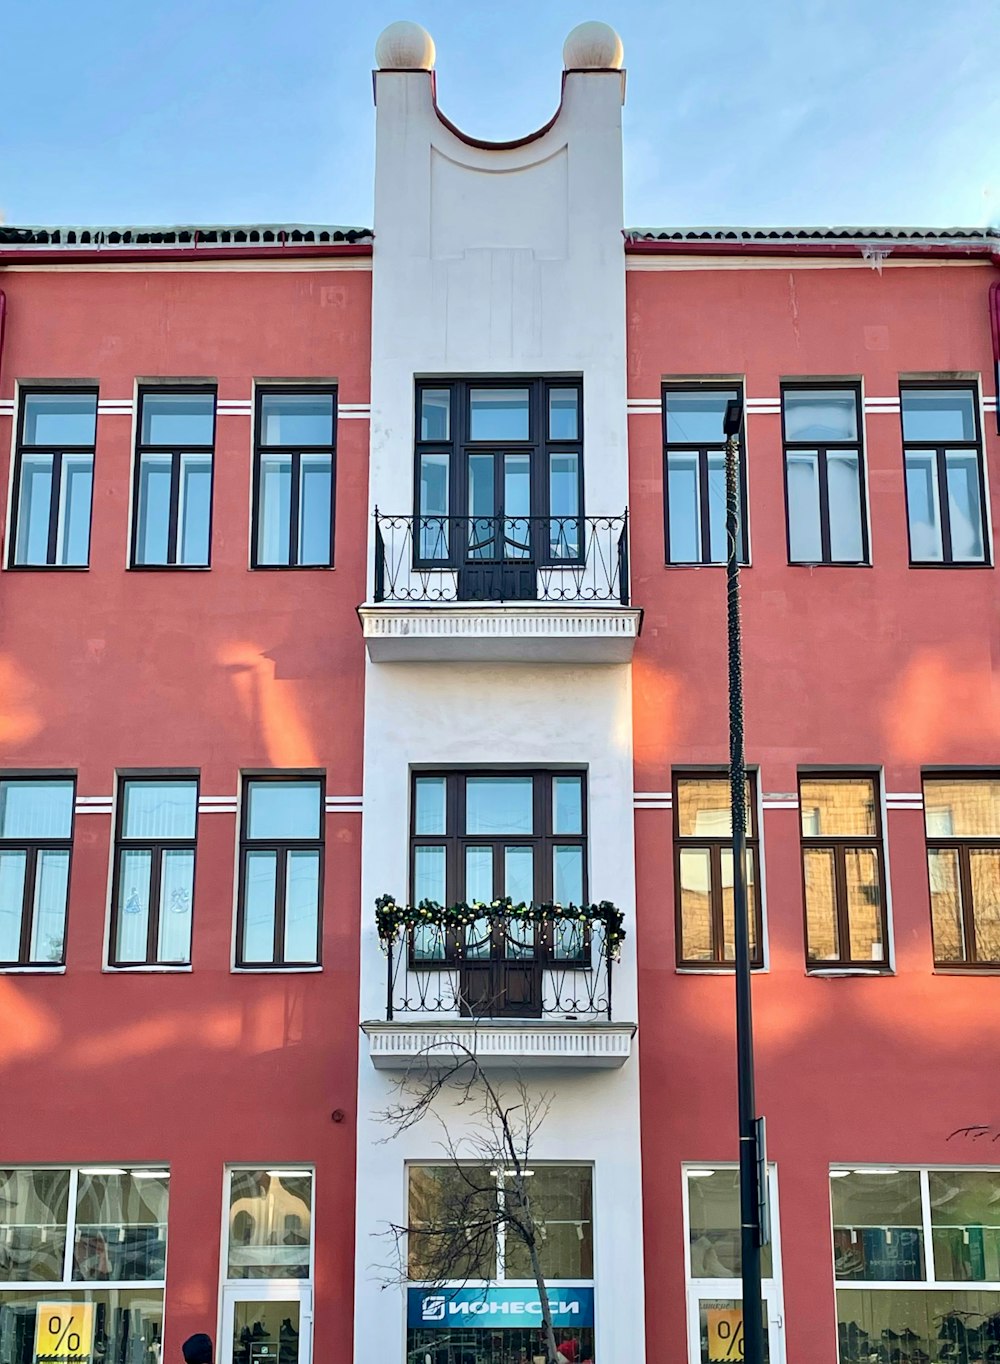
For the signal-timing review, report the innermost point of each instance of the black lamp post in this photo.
(754, 1219)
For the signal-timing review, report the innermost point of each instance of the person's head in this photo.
(197, 1349)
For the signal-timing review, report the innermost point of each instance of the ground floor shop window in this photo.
(486, 1346)
(103, 1326)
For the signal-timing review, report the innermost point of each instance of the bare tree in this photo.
(486, 1189)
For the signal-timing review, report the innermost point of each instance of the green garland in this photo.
(393, 920)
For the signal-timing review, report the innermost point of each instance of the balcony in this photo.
(527, 985)
(544, 589)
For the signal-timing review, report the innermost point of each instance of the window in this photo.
(824, 475)
(281, 872)
(703, 871)
(942, 452)
(962, 820)
(53, 478)
(294, 478)
(270, 1224)
(82, 1252)
(172, 516)
(842, 870)
(916, 1262)
(154, 871)
(36, 836)
(694, 478)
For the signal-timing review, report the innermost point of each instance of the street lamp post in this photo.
(755, 1231)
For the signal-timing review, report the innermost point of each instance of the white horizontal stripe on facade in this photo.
(6, 407)
(347, 415)
(780, 804)
(903, 805)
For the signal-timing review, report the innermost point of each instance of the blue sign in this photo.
(446, 1308)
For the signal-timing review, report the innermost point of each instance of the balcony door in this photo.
(500, 559)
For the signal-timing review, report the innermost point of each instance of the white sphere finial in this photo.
(404, 46)
(593, 46)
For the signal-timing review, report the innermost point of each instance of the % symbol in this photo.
(731, 1335)
(66, 1337)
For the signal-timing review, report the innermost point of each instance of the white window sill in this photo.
(146, 970)
(275, 970)
(32, 970)
(718, 970)
(833, 972)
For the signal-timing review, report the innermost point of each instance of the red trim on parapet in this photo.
(902, 250)
(62, 255)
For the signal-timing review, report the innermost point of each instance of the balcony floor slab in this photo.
(525, 1043)
(512, 632)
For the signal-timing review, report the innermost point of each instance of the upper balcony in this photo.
(501, 588)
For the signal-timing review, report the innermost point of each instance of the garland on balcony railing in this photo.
(392, 918)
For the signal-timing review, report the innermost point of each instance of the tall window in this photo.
(842, 869)
(942, 450)
(172, 516)
(824, 475)
(916, 1263)
(281, 872)
(154, 871)
(53, 478)
(695, 474)
(36, 830)
(962, 819)
(703, 871)
(294, 471)
(82, 1260)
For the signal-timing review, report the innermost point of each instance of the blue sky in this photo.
(784, 112)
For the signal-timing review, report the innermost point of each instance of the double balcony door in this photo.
(501, 972)
(499, 553)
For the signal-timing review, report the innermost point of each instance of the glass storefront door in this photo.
(715, 1328)
(266, 1324)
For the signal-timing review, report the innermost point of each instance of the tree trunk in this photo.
(543, 1294)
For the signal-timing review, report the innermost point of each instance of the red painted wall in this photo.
(885, 665)
(219, 670)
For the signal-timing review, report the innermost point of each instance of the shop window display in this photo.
(270, 1217)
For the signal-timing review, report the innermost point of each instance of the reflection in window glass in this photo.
(429, 803)
(938, 414)
(282, 851)
(60, 418)
(567, 805)
(837, 807)
(804, 535)
(177, 418)
(684, 506)
(270, 1222)
(562, 1204)
(33, 814)
(435, 472)
(498, 414)
(34, 1205)
(36, 807)
(695, 476)
(564, 423)
(923, 506)
(499, 805)
(961, 814)
(121, 1225)
(296, 419)
(714, 1225)
(694, 416)
(435, 414)
(283, 809)
(54, 466)
(444, 1203)
(154, 808)
(293, 496)
(820, 415)
(128, 1322)
(964, 504)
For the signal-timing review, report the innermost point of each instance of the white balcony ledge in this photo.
(525, 1043)
(530, 632)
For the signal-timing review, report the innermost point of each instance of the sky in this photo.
(788, 112)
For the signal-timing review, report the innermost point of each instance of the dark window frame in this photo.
(157, 847)
(715, 847)
(703, 450)
(57, 452)
(963, 847)
(281, 846)
(823, 449)
(455, 842)
(175, 452)
(840, 845)
(538, 445)
(260, 450)
(938, 448)
(33, 846)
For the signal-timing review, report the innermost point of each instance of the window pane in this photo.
(435, 414)
(121, 1227)
(60, 418)
(435, 471)
(429, 799)
(153, 527)
(938, 414)
(822, 934)
(270, 1221)
(315, 509)
(820, 414)
(482, 507)
(259, 894)
(965, 1217)
(704, 810)
(964, 504)
(878, 1226)
(48, 925)
(33, 1206)
(498, 414)
(728, 910)
(159, 809)
(923, 510)
(984, 867)
(517, 505)
(123, 1318)
(34, 505)
(499, 805)
(929, 1324)
(519, 874)
(302, 906)
(835, 808)
(194, 509)
(864, 905)
(694, 416)
(683, 508)
(697, 939)
(12, 869)
(946, 904)
(429, 883)
(73, 528)
(296, 419)
(561, 1204)
(274, 531)
(718, 535)
(478, 874)
(176, 898)
(567, 805)
(805, 543)
(564, 422)
(726, 1318)
(714, 1203)
(134, 871)
(843, 476)
(567, 882)
(31, 808)
(444, 1202)
(177, 418)
(959, 807)
(283, 809)
(564, 505)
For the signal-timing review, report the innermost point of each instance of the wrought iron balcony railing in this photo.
(503, 558)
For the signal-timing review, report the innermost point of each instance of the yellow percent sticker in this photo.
(64, 1333)
(725, 1334)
